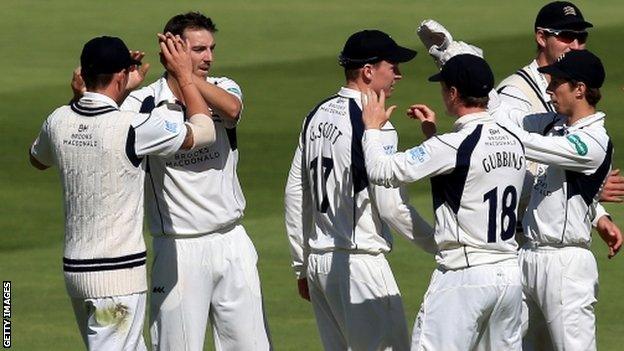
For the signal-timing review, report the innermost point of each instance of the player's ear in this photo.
(579, 90)
(540, 38)
(368, 72)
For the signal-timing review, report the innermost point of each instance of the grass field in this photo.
(283, 54)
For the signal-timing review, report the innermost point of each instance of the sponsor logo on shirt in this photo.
(389, 149)
(579, 145)
(417, 155)
(234, 90)
(171, 127)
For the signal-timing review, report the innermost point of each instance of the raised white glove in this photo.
(433, 34)
(454, 48)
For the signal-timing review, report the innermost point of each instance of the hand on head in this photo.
(374, 113)
(175, 57)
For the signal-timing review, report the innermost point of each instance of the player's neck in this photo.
(356, 85)
(541, 59)
(580, 111)
(461, 110)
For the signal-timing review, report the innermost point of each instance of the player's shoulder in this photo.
(447, 141)
(173, 113)
(141, 94)
(227, 84)
(58, 114)
(595, 131)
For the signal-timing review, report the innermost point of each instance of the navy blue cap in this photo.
(372, 46)
(579, 65)
(469, 74)
(104, 55)
(561, 15)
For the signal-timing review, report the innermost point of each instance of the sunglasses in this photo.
(567, 35)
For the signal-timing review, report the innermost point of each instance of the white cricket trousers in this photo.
(356, 302)
(111, 323)
(560, 288)
(474, 308)
(212, 276)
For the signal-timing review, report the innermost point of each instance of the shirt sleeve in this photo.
(161, 133)
(433, 157)
(298, 213)
(395, 209)
(41, 148)
(579, 151)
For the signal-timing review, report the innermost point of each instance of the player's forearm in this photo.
(193, 99)
(226, 104)
(395, 210)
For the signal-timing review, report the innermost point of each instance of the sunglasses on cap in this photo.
(566, 35)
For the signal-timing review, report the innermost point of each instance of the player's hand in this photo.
(77, 84)
(613, 190)
(175, 55)
(426, 116)
(374, 112)
(610, 234)
(302, 286)
(137, 74)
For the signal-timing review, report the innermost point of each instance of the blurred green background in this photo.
(283, 55)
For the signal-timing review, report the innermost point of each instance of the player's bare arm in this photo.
(176, 58)
(138, 74)
(610, 234)
(613, 190)
(302, 286)
(77, 85)
(224, 103)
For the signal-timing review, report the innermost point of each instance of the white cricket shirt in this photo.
(99, 151)
(330, 204)
(574, 164)
(476, 174)
(197, 191)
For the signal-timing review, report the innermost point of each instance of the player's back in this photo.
(344, 215)
(476, 203)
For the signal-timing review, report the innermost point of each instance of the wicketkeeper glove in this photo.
(439, 42)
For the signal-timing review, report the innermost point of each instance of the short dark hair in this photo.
(96, 81)
(592, 95)
(191, 20)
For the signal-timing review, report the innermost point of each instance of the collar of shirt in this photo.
(162, 92)
(472, 118)
(91, 98)
(597, 117)
(351, 94)
(540, 79)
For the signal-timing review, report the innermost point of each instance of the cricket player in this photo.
(474, 298)
(205, 263)
(337, 222)
(560, 276)
(100, 152)
(509, 107)
(559, 27)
